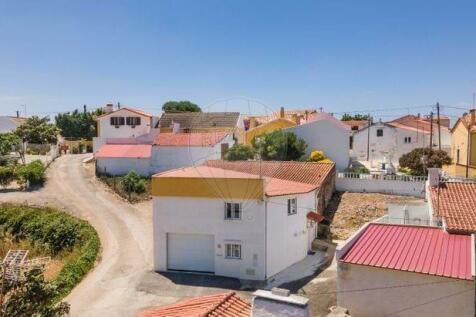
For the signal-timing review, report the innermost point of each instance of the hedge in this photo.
(55, 231)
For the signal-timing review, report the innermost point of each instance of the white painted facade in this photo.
(270, 239)
(328, 135)
(383, 292)
(393, 143)
(170, 157)
(122, 166)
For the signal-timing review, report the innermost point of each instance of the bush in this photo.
(133, 183)
(358, 170)
(33, 172)
(56, 231)
(7, 175)
(316, 156)
(75, 150)
(414, 160)
(239, 152)
(279, 146)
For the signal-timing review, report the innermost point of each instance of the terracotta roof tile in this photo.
(190, 139)
(124, 151)
(219, 305)
(456, 205)
(426, 250)
(301, 172)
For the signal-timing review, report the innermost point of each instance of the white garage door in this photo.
(190, 252)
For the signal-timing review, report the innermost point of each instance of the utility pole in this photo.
(431, 130)
(84, 108)
(369, 122)
(439, 125)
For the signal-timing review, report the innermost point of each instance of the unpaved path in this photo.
(112, 287)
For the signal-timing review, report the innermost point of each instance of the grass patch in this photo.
(54, 233)
(117, 185)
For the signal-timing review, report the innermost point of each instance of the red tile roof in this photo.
(137, 111)
(124, 151)
(301, 172)
(426, 250)
(219, 305)
(414, 123)
(356, 123)
(190, 139)
(456, 205)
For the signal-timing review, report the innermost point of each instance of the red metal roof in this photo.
(124, 151)
(427, 250)
(219, 305)
(190, 139)
(456, 205)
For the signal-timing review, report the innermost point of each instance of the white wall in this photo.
(206, 216)
(438, 297)
(371, 185)
(327, 136)
(392, 144)
(106, 130)
(122, 166)
(170, 157)
(411, 213)
(287, 236)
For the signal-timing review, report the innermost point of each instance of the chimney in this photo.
(281, 113)
(433, 176)
(18, 114)
(472, 117)
(279, 302)
(109, 108)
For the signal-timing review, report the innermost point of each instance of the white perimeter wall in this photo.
(439, 297)
(106, 130)
(170, 157)
(206, 216)
(122, 166)
(396, 187)
(326, 136)
(288, 237)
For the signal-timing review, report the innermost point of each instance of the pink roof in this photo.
(427, 250)
(273, 186)
(190, 139)
(124, 151)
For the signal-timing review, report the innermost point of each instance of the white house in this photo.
(247, 220)
(384, 142)
(406, 270)
(124, 125)
(325, 133)
(167, 151)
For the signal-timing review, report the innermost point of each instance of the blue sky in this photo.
(340, 55)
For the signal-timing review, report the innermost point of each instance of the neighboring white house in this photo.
(247, 220)
(166, 152)
(124, 125)
(385, 142)
(406, 270)
(325, 133)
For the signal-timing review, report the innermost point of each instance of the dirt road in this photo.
(112, 288)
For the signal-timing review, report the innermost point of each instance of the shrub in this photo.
(239, 152)
(133, 183)
(279, 145)
(6, 176)
(326, 161)
(414, 160)
(316, 156)
(358, 170)
(56, 231)
(33, 172)
(75, 150)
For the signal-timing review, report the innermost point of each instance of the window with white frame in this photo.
(133, 120)
(292, 206)
(408, 139)
(117, 121)
(232, 211)
(232, 251)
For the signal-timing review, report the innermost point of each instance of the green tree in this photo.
(239, 152)
(358, 117)
(10, 142)
(38, 130)
(279, 146)
(33, 297)
(420, 159)
(180, 106)
(133, 183)
(79, 125)
(6, 175)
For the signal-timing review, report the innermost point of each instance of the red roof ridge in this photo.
(140, 112)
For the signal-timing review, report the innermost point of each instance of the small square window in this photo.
(292, 206)
(233, 251)
(379, 132)
(232, 211)
(133, 120)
